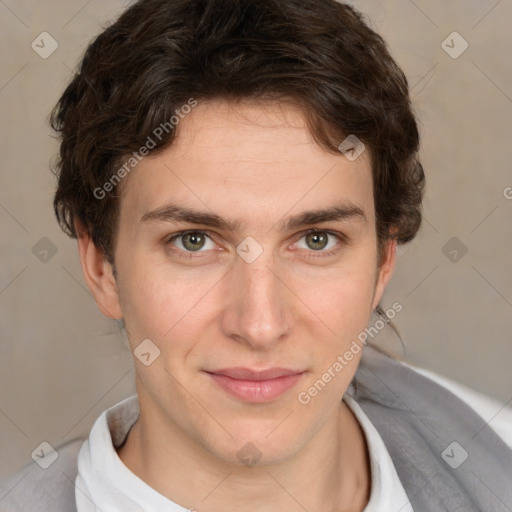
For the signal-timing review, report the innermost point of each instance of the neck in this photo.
(331, 473)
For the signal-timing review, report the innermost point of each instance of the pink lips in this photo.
(256, 386)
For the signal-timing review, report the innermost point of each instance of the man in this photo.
(238, 175)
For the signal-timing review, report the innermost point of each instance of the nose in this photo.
(259, 306)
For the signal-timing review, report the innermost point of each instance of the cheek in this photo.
(344, 302)
(158, 303)
(345, 307)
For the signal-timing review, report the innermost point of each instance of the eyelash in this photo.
(190, 254)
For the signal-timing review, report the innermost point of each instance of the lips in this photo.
(247, 374)
(256, 386)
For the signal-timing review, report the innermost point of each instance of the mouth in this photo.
(256, 386)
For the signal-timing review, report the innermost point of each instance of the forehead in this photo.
(258, 160)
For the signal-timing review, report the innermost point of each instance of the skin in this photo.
(293, 307)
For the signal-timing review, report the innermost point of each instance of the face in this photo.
(248, 256)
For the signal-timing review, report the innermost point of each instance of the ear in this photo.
(387, 267)
(98, 275)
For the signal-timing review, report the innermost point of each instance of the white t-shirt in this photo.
(104, 480)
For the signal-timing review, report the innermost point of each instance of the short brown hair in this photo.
(319, 54)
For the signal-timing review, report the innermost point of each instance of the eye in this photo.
(320, 241)
(192, 241)
(324, 242)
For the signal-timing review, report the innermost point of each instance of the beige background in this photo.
(62, 363)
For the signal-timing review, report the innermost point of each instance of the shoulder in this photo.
(496, 413)
(46, 487)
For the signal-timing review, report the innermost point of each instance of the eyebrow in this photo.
(173, 212)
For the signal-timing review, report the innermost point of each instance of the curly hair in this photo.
(318, 54)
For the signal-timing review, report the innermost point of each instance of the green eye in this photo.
(317, 241)
(323, 242)
(191, 241)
